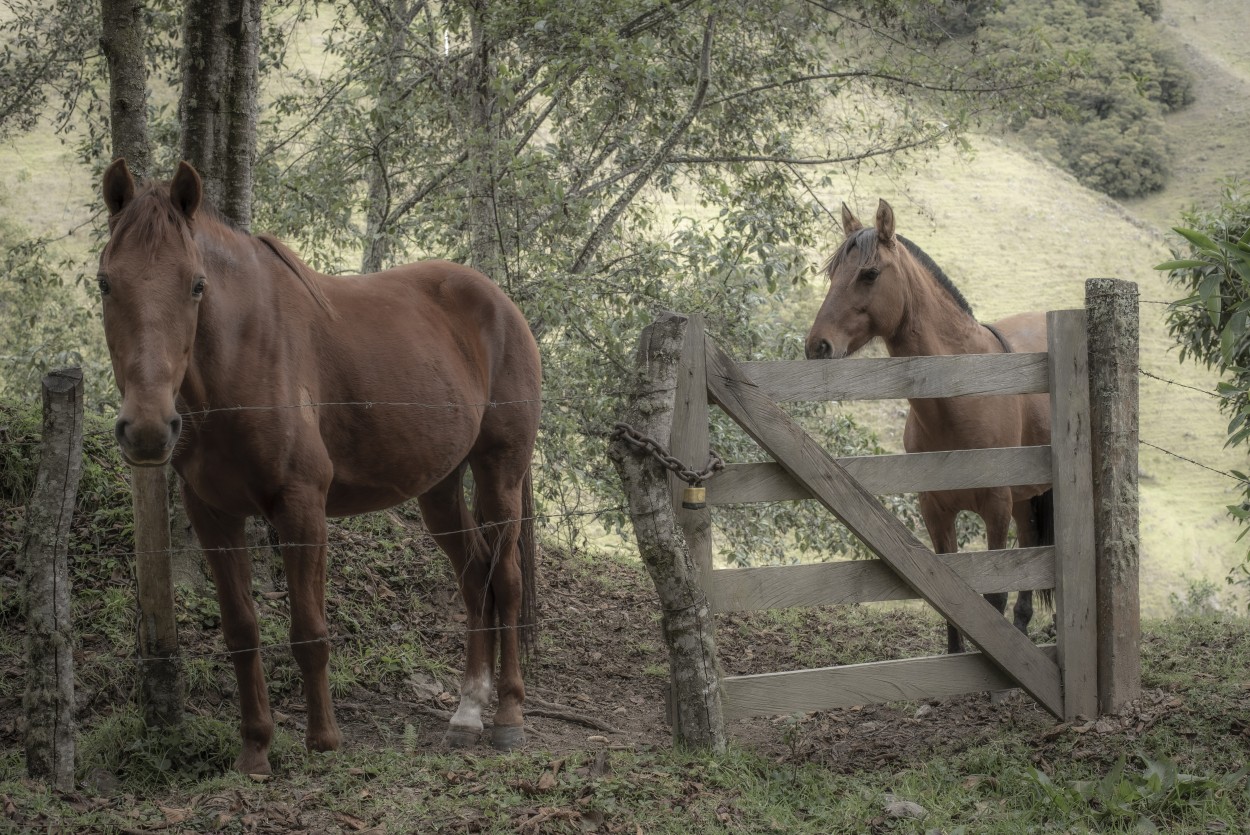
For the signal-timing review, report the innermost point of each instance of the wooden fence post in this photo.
(689, 629)
(49, 698)
(1112, 312)
(160, 673)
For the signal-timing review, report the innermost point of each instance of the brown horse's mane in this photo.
(151, 216)
(865, 241)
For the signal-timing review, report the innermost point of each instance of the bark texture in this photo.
(1113, 321)
(122, 40)
(49, 697)
(689, 630)
(161, 685)
(220, 79)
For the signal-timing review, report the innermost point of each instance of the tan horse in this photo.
(280, 392)
(882, 285)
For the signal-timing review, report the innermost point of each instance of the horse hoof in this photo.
(461, 737)
(507, 737)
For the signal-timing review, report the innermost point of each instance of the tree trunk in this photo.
(220, 79)
(486, 249)
(161, 689)
(49, 698)
(689, 630)
(378, 204)
(122, 39)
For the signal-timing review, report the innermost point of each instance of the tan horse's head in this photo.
(867, 289)
(151, 281)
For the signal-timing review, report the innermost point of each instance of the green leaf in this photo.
(1182, 264)
(1197, 239)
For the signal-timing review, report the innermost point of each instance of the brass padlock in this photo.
(694, 498)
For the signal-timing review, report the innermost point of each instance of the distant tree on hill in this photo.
(1109, 130)
(1211, 321)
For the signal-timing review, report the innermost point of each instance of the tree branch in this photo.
(660, 157)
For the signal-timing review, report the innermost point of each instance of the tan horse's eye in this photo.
(197, 289)
(869, 275)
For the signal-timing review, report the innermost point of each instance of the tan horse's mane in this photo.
(152, 216)
(864, 241)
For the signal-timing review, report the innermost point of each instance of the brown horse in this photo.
(281, 392)
(882, 285)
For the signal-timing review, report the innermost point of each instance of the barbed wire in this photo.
(1214, 394)
(1177, 455)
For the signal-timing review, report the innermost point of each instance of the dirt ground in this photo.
(599, 678)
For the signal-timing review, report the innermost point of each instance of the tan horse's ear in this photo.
(186, 189)
(885, 223)
(850, 223)
(118, 186)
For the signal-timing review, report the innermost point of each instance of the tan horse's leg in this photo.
(299, 518)
(225, 546)
(448, 521)
(1028, 535)
(939, 521)
(498, 500)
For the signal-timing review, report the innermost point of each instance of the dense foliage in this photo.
(602, 161)
(1109, 130)
(1211, 321)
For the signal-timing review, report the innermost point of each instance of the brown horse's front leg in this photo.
(301, 525)
(225, 546)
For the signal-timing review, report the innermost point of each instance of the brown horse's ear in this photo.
(118, 186)
(885, 223)
(186, 189)
(850, 223)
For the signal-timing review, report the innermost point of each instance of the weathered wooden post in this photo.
(160, 674)
(1112, 313)
(49, 698)
(689, 630)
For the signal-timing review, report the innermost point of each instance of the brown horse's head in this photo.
(867, 296)
(151, 281)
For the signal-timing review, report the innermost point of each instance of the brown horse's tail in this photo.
(1043, 507)
(482, 547)
(528, 551)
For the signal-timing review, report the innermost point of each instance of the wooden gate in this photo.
(1061, 677)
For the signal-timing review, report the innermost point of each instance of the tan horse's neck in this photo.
(933, 322)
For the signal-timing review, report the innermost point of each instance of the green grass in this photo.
(1178, 770)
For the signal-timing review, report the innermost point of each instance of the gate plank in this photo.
(870, 581)
(963, 375)
(1076, 582)
(829, 688)
(881, 475)
(813, 467)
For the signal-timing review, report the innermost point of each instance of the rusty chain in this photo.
(642, 443)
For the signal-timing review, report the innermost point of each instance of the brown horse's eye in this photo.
(197, 289)
(869, 275)
(104, 285)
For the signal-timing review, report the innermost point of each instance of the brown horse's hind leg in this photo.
(225, 547)
(299, 518)
(448, 520)
(498, 505)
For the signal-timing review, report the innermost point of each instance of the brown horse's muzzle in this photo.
(148, 443)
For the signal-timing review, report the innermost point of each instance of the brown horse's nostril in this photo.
(175, 427)
(119, 429)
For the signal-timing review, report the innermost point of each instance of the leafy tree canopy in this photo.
(1211, 321)
(602, 160)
